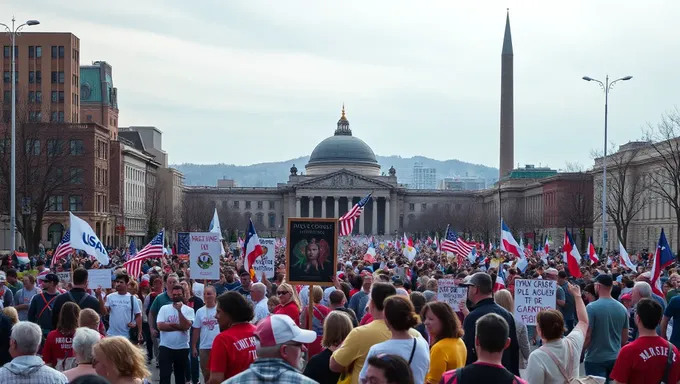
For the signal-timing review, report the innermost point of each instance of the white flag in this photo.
(215, 228)
(84, 239)
(625, 259)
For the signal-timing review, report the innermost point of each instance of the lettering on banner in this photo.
(265, 263)
(533, 296)
(448, 292)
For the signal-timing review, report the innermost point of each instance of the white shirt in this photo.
(206, 321)
(261, 310)
(541, 369)
(327, 296)
(174, 339)
(304, 296)
(120, 313)
(420, 363)
(197, 289)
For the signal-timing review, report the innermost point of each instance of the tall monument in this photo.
(507, 151)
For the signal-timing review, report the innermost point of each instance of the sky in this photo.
(243, 82)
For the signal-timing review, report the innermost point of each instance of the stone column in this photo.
(311, 206)
(387, 216)
(298, 208)
(374, 229)
(349, 203)
(323, 206)
(336, 207)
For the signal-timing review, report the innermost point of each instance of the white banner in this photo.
(449, 293)
(98, 278)
(533, 296)
(84, 239)
(64, 277)
(204, 255)
(265, 263)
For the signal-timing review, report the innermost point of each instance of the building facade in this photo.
(98, 96)
(423, 178)
(462, 183)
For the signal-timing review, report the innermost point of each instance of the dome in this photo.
(342, 149)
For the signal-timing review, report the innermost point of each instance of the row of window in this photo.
(56, 203)
(435, 206)
(259, 219)
(35, 52)
(260, 204)
(54, 147)
(57, 77)
(101, 176)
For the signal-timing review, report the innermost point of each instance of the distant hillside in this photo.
(268, 174)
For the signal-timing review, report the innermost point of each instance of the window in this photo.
(6, 51)
(6, 77)
(61, 77)
(35, 77)
(423, 207)
(31, 77)
(55, 203)
(272, 205)
(411, 207)
(7, 97)
(57, 77)
(272, 220)
(38, 51)
(75, 203)
(31, 51)
(33, 147)
(61, 96)
(259, 218)
(61, 51)
(247, 204)
(57, 175)
(55, 96)
(60, 117)
(77, 175)
(54, 147)
(4, 145)
(31, 96)
(235, 204)
(260, 205)
(55, 51)
(77, 147)
(38, 77)
(53, 118)
(38, 97)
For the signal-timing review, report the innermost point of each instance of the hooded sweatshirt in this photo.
(30, 369)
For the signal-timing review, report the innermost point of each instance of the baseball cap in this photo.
(479, 279)
(627, 296)
(50, 277)
(605, 280)
(280, 329)
(551, 271)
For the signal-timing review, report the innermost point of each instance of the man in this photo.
(480, 294)
(280, 353)
(230, 280)
(123, 309)
(13, 282)
(351, 355)
(22, 299)
(26, 366)
(553, 274)
(163, 299)
(5, 292)
(672, 312)
(338, 301)
(174, 321)
(569, 308)
(492, 338)
(258, 294)
(78, 295)
(358, 301)
(205, 329)
(607, 329)
(642, 290)
(644, 360)
(647, 278)
(245, 287)
(41, 310)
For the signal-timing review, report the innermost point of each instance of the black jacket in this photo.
(5, 331)
(78, 294)
(511, 354)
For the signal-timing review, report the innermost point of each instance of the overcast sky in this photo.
(252, 81)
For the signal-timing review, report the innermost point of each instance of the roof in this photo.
(133, 137)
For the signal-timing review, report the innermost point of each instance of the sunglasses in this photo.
(281, 293)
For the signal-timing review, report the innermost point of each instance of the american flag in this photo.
(63, 249)
(453, 243)
(348, 219)
(152, 250)
(132, 250)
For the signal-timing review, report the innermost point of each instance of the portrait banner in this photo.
(265, 263)
(311, 252)
(204, 255)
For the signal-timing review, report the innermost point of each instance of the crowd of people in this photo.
(379, 322)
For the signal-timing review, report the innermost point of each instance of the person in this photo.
(233, 350)
(83, 341)
(480, 293)
(318, 316)
(41, 309)
(58, 350)
(607, 329)
(337, 302)
(448, 350)
(119, 361)
(569, 308)
(161, 300)
(541, 368)
(5, 293)
(22, 299)
(174, 321)
(12, 314)
(280, 353)
(13, 282)
(492, 337)
(645, 359)
(419, 301)
(246, 284)
(358, 301)
(194, 302)
(389, 369)
(351, 355)
(290, 303)
(504, 298)
(77, 294)
(259, 296)
(90, 319)
(400, 317)
(89, 379)
(335, 329)
(26, 366)
(124, 310)
(205, 329)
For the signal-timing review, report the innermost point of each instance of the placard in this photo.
(265, 263)
(204, 255)
(533, 296)
(449, 293)
(64, 277)
(311, 254)
(99, 278)
(183, 243)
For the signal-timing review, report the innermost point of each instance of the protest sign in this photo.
(449, 293)
(204, 254)
(64, 277)
(99, 278)
(533, 296)
(265, 263)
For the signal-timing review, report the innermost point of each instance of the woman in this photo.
(446, 337)
(83, 341)
(59, 354)
(505, 300)
(400, 317)
(119, 361)
(388, 369)
(272, 303)
(12, 313)
(418, 300)
(290, 303)
(541, 368)
(320, 313)
(335, 329)
(90, 319)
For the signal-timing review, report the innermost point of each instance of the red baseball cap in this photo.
(280, 329)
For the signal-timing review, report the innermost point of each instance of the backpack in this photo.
(82, 299)
(566, 373)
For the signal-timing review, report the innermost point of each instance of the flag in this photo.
(348, 219)
(437, 244)
(252, 248)
(449, 242)
(500, 279)
(592, 255)
(528, 250)
(409, 250)
(84, 238)
(22, 257)
(571, 255)
(490, 246)
(663, 257)
(215, 228)
(370, 255)
(63, 249)
(546, 246)
(153, 250)
(508, 242)
(464, 248)
(625, 259)
(132, 249)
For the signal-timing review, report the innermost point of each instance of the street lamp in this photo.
(13, 33)
(606, 86)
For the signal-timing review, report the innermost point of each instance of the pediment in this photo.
(344, 179)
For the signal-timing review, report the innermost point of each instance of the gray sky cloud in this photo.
(252, 81)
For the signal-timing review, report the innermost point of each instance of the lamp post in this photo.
(13, 32)
(606, 87)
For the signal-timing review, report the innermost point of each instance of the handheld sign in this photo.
(265, 263)
(449, 293)
(533, 296)
(204, 255)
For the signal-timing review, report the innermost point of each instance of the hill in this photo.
(268, 174)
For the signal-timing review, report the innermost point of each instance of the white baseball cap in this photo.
(280, 329)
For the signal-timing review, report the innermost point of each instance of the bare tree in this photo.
(155, 198)
(196, 212)
(664, 182)
(575, 204)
